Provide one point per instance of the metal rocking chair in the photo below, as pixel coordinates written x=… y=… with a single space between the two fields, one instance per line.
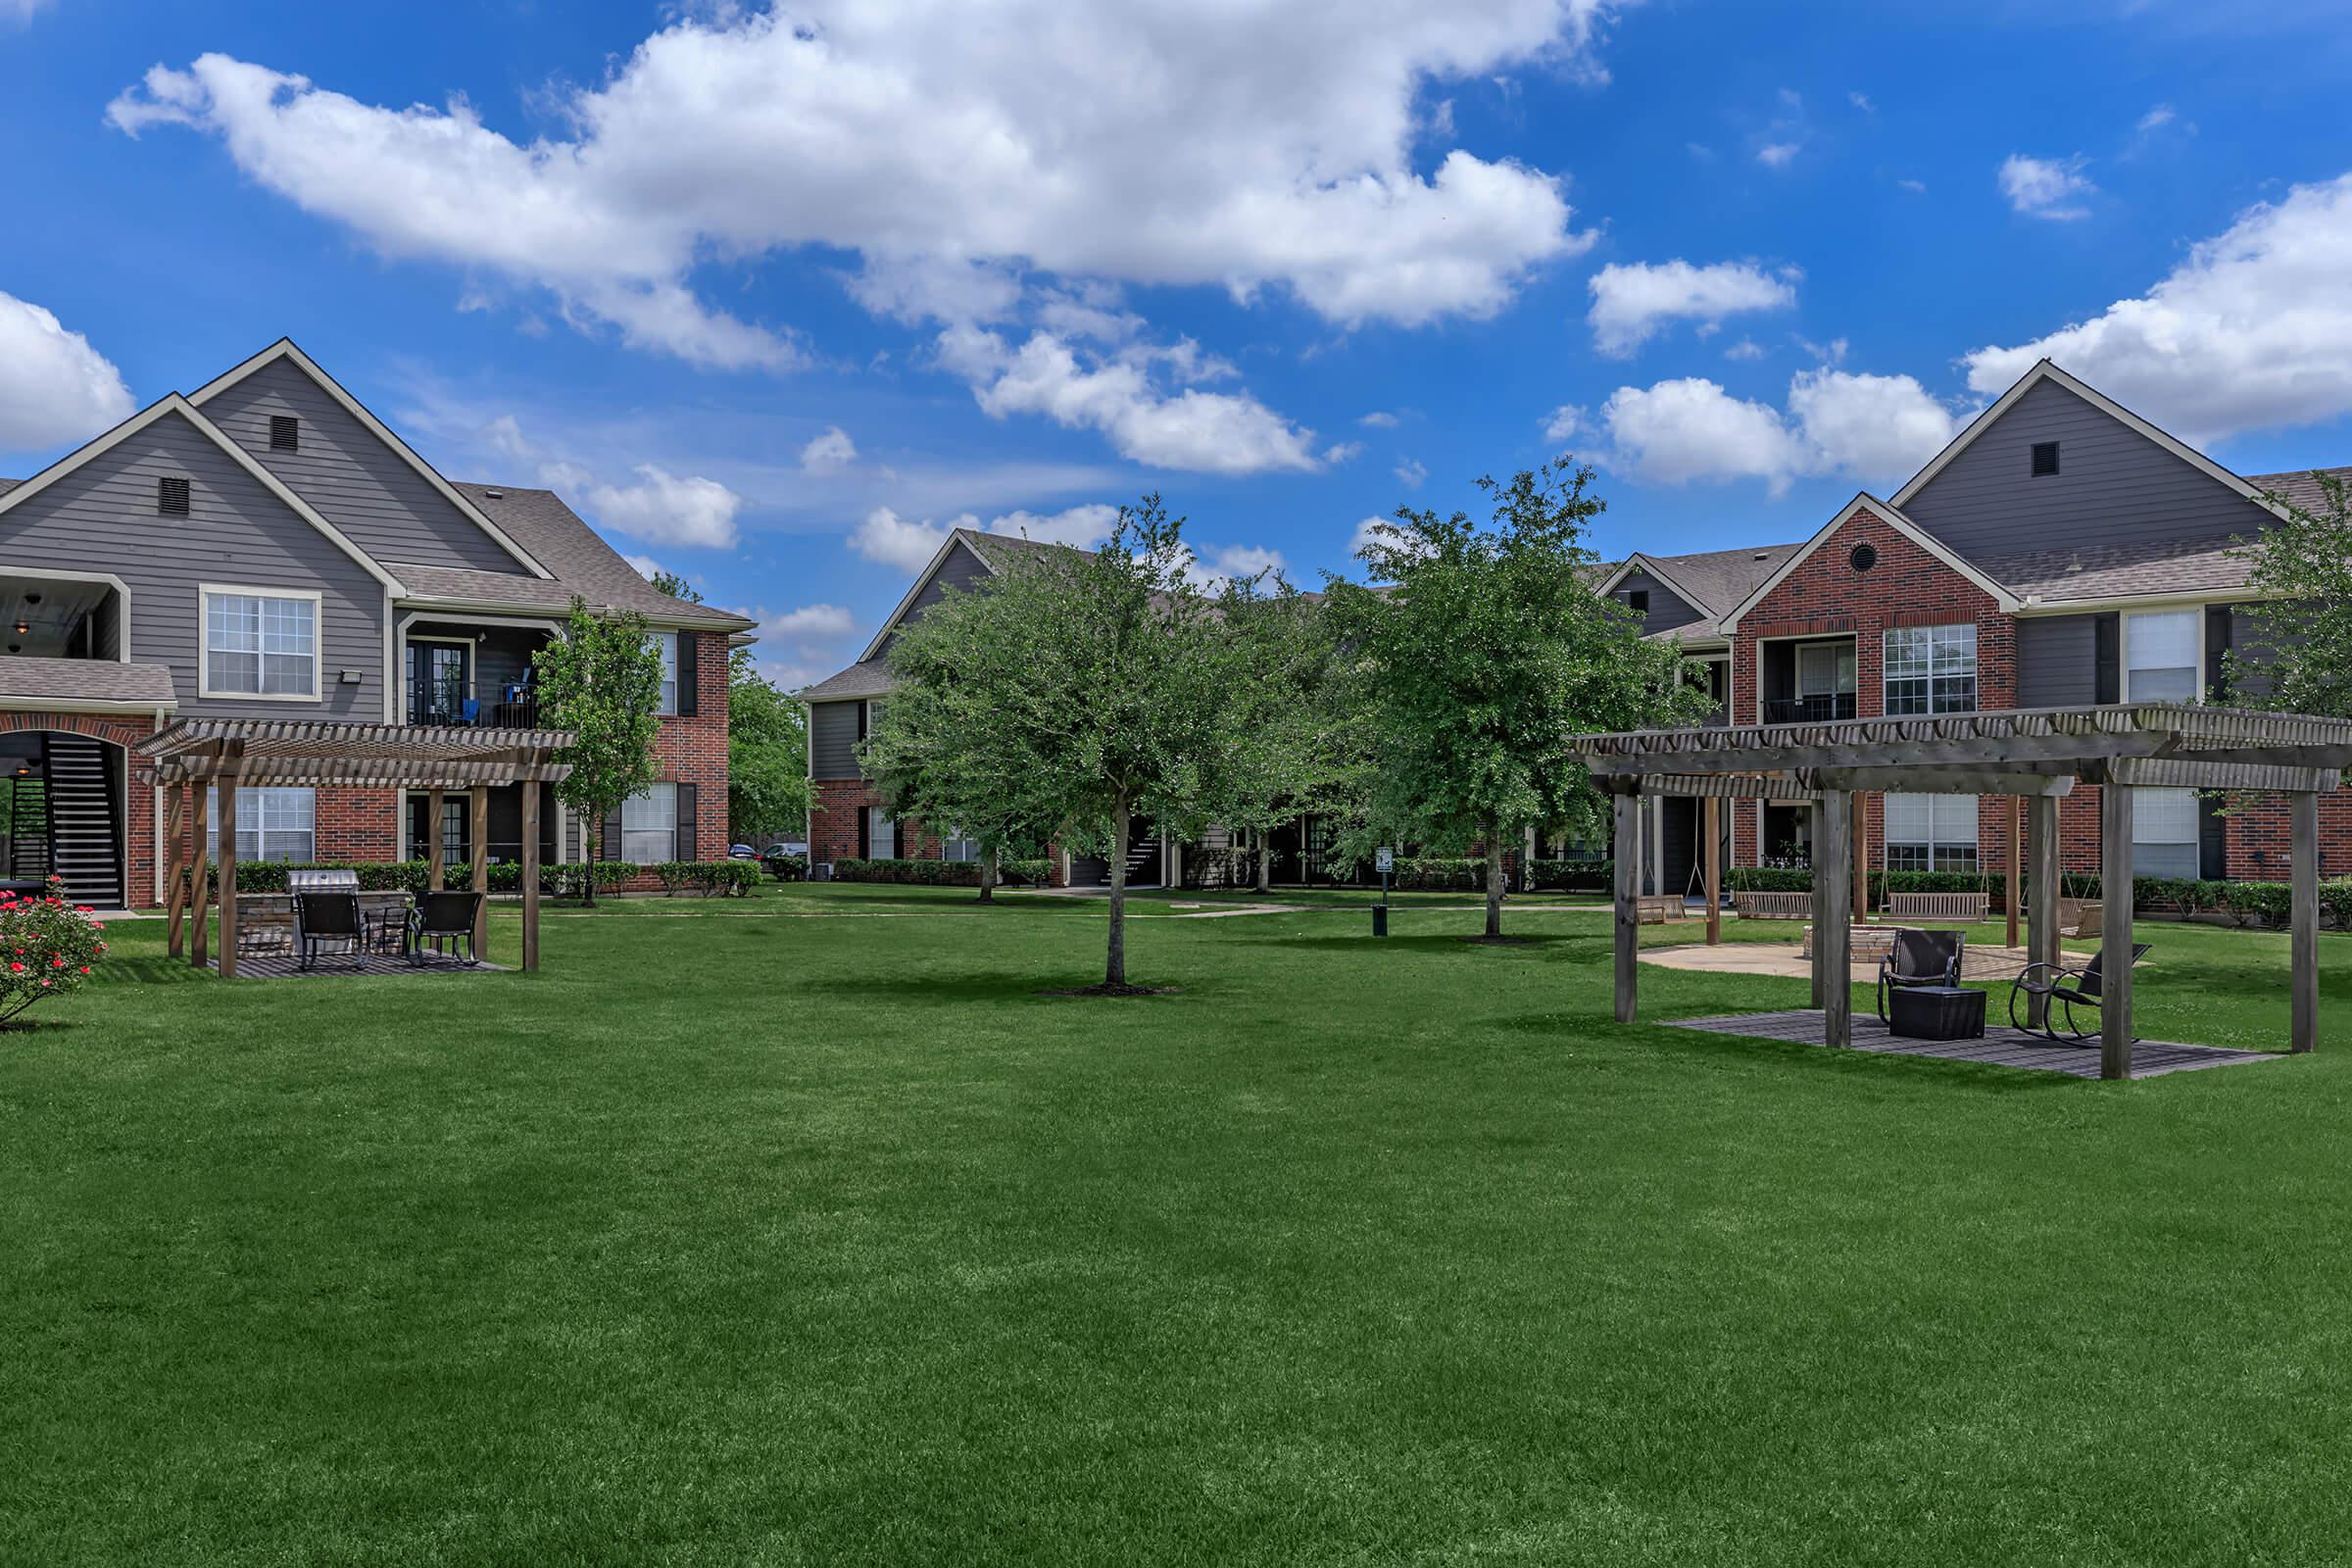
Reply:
x=2062 y=991
x=443 y=917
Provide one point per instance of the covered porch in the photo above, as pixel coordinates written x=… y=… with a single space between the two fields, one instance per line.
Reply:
x=2039 y=756
x=196 y=758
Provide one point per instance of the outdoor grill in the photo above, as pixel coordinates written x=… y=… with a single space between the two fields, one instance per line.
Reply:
x=323 y=881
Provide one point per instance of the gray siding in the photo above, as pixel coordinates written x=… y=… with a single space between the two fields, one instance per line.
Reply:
x=2113 y=486
x=833 y=741
x=1667 y=609
x=102 y=517
x=2057 y=660
x=357 y=483
x=962 y=570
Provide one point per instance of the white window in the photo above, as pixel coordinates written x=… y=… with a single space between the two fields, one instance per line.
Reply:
x=881 y=835
x=666 y=643
x=2163 y=652
x=1930 y=832
x=1932 y=669
x=272 y=825
x=2163 y=833
x=260 y=644
x=649 y=826
x=956 y=846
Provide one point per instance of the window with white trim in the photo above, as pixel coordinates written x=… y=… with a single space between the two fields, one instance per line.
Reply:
x=956 y=846
x=2165 y=833
x=881 y=834
x=1930 y=832
x=2161 y=652
x=272 y=825
x=666 y=643
x=259 y=645
x=649 y=826
x=1932 y=669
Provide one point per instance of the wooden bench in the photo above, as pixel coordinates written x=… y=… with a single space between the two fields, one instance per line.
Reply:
x=1940 y=906
x=1775 y=906
x=1656 y=909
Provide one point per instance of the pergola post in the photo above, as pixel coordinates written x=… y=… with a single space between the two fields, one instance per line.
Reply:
x=1829 y=897
x=2304 y=943
x=2041 y=900
x=175 y=894
x=2015 y=806
x=228 y=876
x=1860 y=855
x=1712 y=826
x=530 y=874
x=200 y=869
x=478 y=841
x=436 y=846
x=2115 y=953
x=1629 y=889
x=1831 y=938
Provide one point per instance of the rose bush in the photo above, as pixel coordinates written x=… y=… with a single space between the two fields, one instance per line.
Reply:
x=48 y=948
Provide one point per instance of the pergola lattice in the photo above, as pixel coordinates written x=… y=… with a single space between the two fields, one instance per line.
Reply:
x=2037 y=753
x=195 y=754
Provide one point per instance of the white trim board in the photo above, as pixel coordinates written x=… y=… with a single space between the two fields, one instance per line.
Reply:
x=1893 y=518
x=205 y=591
x=285 y=347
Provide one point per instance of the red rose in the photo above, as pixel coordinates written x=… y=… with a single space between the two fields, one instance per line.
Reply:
x=16 y=968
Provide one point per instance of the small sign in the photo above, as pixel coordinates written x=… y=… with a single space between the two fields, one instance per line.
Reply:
x=1384 y=860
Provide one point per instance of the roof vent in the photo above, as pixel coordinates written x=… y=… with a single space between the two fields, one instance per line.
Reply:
x=2044 y=459
x=494 y=494
x=285 y=434
x=1763 y=555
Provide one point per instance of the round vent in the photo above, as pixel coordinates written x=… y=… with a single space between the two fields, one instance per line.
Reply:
x=1863 y=557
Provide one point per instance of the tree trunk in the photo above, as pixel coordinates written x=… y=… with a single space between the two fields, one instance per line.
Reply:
x=988 y=876
x=1114 y=968
x=1494 y=877
x=1265 y=862
x=589 y=836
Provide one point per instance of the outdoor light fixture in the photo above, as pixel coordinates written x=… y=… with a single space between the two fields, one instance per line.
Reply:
x=22 y=628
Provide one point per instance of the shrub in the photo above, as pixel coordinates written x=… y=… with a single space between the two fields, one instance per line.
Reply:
x=787 y=867
x=1220 y=868
x=1768 y=879
x=1423 y=875
x=925 y=874
x=1582 y=875
x=48 y=948
x=568 y=879
x=709 y=878
x=1025 y=873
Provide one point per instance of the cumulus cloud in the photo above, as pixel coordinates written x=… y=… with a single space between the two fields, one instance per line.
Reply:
x=1411 y=472
x=1378 y=420
x=664 y=508
x=2045 y=187
x=644 y=567
x=1777 y=154
x=799 y=647
x=1564 y=424
x=829 y=453
x=2252 y=330
x=54 y=388
x=893 y=541
x=1340 y=452
x=1633 y=303
x=1230 y=562
x=949 y=144
x=1874 y=428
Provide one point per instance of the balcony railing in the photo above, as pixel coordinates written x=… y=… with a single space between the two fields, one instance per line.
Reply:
x=1822 y=708
x=471 y=703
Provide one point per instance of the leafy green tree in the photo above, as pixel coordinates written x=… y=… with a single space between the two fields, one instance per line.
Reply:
x=603 y=681
x=1295 y=744
x=670 y=582
x=1487 y=655
x=767 y=753
x=2300 y=656
x=1077 y=690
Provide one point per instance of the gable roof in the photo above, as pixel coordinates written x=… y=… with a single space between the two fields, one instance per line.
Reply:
x=1892 y=516
x=172 y=402
x=286 y=349
x=995 y=551
x=1710 y=581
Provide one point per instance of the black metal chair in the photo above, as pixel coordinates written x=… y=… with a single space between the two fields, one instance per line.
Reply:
x=1920 y=959
x=327 y=917
x=2062 y=991
x=443 y=917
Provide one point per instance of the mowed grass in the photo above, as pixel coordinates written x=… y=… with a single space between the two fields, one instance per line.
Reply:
x=741 y=1237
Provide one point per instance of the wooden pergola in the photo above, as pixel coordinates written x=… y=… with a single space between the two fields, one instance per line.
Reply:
x=2037 y=753
x=195 y=754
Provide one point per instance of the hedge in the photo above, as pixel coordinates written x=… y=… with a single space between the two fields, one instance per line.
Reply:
x=1583 y=876
x=411 y=877
x=1438 y=875
x=709 y=878
x=787 y=867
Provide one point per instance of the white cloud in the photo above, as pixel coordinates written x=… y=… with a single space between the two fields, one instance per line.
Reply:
x=1876 y=428
x=797 y=647
x=1340 y=452
x=2155 y=118
x=1565 y=423
x=1378 y=420
x=2252 y=330
x=1080 y=527
x=895 y=541
x=947 y=144
x=20 y=10
x=1917 y=187
x=829 y=453
x=664 y=508
x=1862 y=102
x=54 y=388
x=644 y=567
x=1633 y=303
x=1748 y=348
x=1411 y=472
x=810 y=620
x=1230 y=563
x=2043 y=188
x=1777 y=154
x=1367 y=533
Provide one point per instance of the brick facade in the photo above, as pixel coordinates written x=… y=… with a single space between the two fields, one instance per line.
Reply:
x=694 y=751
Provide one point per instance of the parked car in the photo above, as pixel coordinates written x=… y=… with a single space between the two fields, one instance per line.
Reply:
x=742 y=851
x=783 y=847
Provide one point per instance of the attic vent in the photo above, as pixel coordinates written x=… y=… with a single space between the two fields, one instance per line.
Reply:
x=2045 y=459
x=1762 y=555
x=494 y=494
x=1864 y=556
x=171 y=497
x=1638 y=601
x=285 y=434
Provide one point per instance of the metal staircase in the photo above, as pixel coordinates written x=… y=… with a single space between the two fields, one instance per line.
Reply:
x=1143 y=863
x=86 y=839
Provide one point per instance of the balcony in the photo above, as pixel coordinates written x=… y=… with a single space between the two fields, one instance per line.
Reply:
x=1821 y=708
x=465 y=703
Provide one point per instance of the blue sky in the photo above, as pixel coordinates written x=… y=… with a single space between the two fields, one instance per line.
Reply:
x=774 y=300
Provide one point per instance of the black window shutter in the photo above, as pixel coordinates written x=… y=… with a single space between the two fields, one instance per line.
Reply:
x=690 y=673
x=2217 y=651
x=2107 y=659
x=684 y=848
x=866 y=828
x=612 y=836
x=2213 y=839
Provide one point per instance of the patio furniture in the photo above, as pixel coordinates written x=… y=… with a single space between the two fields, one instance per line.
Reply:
x=323 y=918
x=1920 y=958
x=1940 y=906
x=383 y=922
x=1656 y=909
x=440 y=920
x=1937 y=1013
x=2062 y=991
x=1774 y=905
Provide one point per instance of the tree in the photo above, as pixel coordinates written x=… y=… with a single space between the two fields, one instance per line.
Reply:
x=1294 y=741
x=670 y=582
x=767 y=753
x=1072 y=689
x=601 y=680
x=1487 y=656
x=2301 y=656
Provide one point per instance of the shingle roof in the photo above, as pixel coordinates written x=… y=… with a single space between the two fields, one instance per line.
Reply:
x=868 y=679
x=2119 y=571
x=86 y=680
x=2299 y=487
x=1716 y=580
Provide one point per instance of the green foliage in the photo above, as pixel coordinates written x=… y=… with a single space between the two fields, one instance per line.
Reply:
x=709 y=878
x=1427 y=874
x=676 y=587
x=1296 y=742
x=768 y=755
x=2300 y=656
x=48 y=948
x=787 y=867
x=1584 y=875
x=601 y=680
x=937 y=873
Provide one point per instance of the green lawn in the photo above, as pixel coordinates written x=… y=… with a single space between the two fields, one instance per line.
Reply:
x=735 y=1237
